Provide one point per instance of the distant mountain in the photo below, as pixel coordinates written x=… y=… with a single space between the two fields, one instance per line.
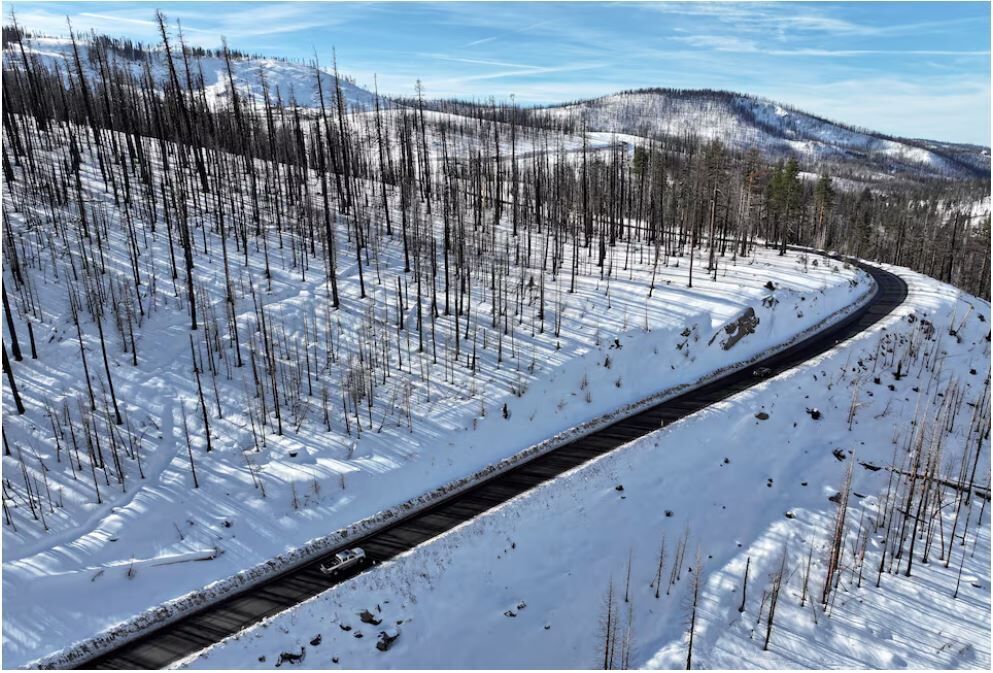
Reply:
x=286 y=78
x=739 y=120
x=743 y=122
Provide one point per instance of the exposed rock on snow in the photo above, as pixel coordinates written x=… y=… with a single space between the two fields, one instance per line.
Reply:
x=387 y=638
x=291 y=657
x=367 y=617
x=739 y=328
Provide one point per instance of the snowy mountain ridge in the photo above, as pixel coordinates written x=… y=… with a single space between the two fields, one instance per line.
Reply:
x=286 y=80
x=743 y=121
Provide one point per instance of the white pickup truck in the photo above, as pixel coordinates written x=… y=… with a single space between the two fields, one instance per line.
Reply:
x=344 y=560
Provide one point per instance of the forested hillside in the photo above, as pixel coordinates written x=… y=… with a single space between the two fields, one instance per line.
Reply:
x=248 y=303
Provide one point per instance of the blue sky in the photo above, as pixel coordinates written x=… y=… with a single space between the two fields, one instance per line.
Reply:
x=916 y=69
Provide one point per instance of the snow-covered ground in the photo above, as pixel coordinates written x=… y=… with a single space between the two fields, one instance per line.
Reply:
x=112 y=542
x=286 y=80
x=469 y=139
x=527 y=585
x=97 y=545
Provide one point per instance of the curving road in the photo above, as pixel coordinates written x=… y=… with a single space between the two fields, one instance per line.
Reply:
x=194 y=632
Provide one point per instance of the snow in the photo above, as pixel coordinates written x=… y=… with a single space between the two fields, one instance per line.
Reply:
x=256 y=503
x=135 y=564
x=524 y=586
x=476 y=139
x=976 y=211
x=287 y=79
x=92 y=566
x=744 y=122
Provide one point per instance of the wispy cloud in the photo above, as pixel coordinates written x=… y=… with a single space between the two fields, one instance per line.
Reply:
x=738 y=45
x=784 y=18
x=520 y=72
x=729 y=43
x=240 y=23
x=124 y=19
x=479 y=61
x=518 y=31
x=477 y=42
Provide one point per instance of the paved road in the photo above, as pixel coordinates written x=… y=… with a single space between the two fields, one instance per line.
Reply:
x=190 y=634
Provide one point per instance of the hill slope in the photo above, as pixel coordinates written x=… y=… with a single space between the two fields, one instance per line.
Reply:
x=287 y=79
x=743 y=121
x=135 y=531
x=728 y=492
